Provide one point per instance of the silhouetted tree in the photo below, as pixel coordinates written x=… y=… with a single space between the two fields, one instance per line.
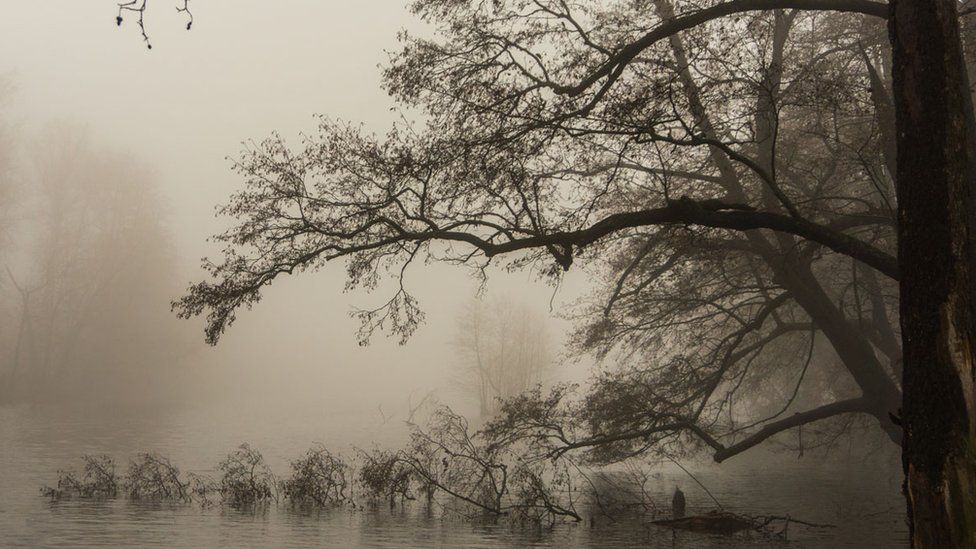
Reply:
x=735 y=160
x=661 y=179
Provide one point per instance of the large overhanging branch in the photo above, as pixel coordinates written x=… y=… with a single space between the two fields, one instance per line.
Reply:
x=613 y=67
x=704 y=213
x=801 y=418
x=241 y=278
x=723 y=452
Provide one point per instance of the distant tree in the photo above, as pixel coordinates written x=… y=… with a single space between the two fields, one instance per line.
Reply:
x=8 y=161
x=11 y=326
x=502 y=350
x=89 y=281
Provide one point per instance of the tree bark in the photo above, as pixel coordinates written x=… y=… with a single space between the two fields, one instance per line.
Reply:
x=935 y=181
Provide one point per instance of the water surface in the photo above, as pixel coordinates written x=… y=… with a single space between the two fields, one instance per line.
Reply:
x=862 y=499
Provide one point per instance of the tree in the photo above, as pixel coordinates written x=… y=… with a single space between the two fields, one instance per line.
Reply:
x=93 y=264
x=518 y=164
x=936 y=209
x=503 y=351
x=9 y=183
x=8 y=167
x=730 y=160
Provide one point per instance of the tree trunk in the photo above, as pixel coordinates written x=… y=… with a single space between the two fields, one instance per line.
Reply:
x=936 y=229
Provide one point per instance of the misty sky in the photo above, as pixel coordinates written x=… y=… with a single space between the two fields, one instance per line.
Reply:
x=245 y=70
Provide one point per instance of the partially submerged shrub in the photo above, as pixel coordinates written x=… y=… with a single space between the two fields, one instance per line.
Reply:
x=474 y=473
x=447 y=457
x=542 y=492
x=203 y=489
x=153 y=477
x=245 y=478
x=482 y=476
x=385 y=475
x=319 y=478
x=97 y=481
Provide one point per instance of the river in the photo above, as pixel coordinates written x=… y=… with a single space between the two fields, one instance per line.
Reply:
x=861 y=499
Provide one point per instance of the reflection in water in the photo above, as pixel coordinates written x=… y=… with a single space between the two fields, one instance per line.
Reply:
x=863 y=501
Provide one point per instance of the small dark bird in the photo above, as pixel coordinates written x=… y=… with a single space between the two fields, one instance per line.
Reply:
x=678 y=504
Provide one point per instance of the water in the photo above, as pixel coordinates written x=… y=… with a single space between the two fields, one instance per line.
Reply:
x=863 y=501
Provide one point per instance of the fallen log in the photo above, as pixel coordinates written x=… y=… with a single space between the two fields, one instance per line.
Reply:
x=716 y=522
x=726 y=523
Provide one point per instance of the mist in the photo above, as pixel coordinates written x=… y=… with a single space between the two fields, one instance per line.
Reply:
x=178 y=116
x=488 y=274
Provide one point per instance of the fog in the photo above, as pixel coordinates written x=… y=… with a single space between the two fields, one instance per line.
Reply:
x=179 y=111
x=598 y=300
